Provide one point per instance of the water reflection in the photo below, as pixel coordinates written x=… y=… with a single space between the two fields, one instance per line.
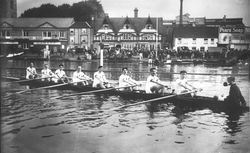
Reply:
x=83 y=121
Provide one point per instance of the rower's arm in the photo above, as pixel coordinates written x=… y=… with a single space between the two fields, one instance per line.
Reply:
x=182 y=85
x=194 y=88
x=159 y=83
x=129 y=82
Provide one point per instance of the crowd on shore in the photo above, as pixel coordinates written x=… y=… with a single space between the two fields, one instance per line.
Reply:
x=161 y=55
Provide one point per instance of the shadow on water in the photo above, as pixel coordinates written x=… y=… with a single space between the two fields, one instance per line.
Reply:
x=232 y=124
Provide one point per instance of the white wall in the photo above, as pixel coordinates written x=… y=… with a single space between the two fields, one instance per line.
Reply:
x=190 y=43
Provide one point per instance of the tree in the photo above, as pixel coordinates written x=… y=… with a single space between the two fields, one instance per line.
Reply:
x=81 y=11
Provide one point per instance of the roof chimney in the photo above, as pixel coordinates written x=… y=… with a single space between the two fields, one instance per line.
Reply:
x=181 y=16
x=135 y=13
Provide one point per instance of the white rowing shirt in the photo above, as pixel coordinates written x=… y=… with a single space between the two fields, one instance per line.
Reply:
x=60 y=73
x=99 y=77
x=78 y=76
x=46 y=73
x=123 y=80
x=150 y=84
x=179 y=85
x=30 y=71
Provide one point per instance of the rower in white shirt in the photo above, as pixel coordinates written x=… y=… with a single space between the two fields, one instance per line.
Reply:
x=182 y=85
x=47 y=74
x=126 y=80
x=31 y=72
x=153 y=84
x=78 y=76
x=100 y=80
x=60 y=75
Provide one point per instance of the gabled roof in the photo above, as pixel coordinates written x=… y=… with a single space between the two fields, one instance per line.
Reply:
x=126 y=21
x=196 y=32
x=36 y=22
x=136 y=23
x=80 y=24
x=149 y=20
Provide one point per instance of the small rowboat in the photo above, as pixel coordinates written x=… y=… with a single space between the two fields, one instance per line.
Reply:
x=184 y=101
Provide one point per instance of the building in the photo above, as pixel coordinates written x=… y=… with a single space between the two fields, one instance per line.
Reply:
x=195 y=38
x=80 y=35
x=35 y=34
x=129 y=32
x=8 y=9
x=231 y=32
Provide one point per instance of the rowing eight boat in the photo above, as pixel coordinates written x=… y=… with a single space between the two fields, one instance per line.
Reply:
x=182 y=101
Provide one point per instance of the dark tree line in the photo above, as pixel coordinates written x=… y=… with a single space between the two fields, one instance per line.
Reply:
x=81 y=11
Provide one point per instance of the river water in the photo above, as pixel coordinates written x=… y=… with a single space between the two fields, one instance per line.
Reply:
x=33 y=123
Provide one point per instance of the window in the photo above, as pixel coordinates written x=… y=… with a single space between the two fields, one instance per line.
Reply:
x=202 y=49
x=106 y=37
x=25 y=46
x=126 y=26
x=46 y=34
x=148 y=26
x=179 y=41
x=84 y=31
x=84 y=39
x=25 y=33
x=212 y=41
x=205 y=41
x=61 y=34
x=148 y=37
x=71 y=31
x=126 y=36
x=194 y=41
x=72 y=39
x=105 y=26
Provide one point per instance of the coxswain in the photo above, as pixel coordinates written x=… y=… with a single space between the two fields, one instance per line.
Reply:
x=153 y=84
x=126 y=80
x=60 y=75
x=182 y=85
x=100 y=80
x=47 y=74
x=235 y=97
x=31 y=72
x=80 y=77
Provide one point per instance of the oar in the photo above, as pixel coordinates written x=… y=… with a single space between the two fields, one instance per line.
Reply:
x=90 y=92
x=46 y=87
x=160 y=84
x=10 y=78
x=27 y=80
x=151 y=100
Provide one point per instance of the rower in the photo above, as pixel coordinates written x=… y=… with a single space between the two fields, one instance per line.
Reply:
x=78 y=75
x=153 y=84
x=100 y=80
x=126 y=80
x=31 y=72
x=47 y=73
x=235 y=97
x=182 y=84
x=60 y=75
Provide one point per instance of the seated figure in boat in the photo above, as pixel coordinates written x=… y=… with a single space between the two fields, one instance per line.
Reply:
x=31 y=72
x=182 y=85
x=235 y=97
x=60 y=75
x=153 y=84
x=47 y=74
x=100 y=80
x=126 y=80
x=80 y=78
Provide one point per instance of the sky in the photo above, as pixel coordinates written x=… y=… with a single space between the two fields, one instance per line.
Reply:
x=168 y=9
